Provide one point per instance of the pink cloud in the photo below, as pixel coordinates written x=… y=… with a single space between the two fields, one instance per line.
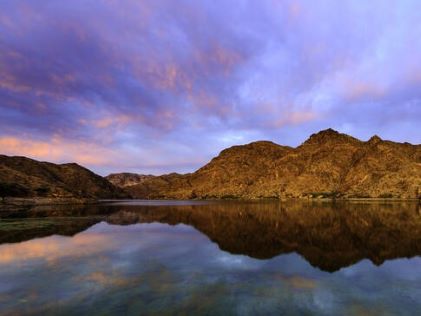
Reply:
x=57 y=149
x=356 y=90
x=294 y=118
x=118 y=121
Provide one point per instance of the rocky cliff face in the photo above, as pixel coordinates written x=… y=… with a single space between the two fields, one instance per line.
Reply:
x=126 y=179
x=24 y=177
x=328 y=164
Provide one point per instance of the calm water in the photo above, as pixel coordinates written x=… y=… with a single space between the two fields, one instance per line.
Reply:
x=169 y=258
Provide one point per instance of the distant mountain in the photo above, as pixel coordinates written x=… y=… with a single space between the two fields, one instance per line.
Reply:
x=126 y=179
x=328 y=164
x=24 y=177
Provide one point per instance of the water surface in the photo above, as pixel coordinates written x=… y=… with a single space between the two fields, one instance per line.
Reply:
x=212 y=258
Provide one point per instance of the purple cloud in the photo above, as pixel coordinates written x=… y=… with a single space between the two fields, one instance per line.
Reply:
x=159 y=86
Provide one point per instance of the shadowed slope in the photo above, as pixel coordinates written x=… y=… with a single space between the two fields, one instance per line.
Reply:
x=24 y=177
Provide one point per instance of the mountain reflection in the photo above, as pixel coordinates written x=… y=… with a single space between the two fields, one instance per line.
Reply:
x=328 y=235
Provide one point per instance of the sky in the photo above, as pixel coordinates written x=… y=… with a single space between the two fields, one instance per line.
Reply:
x=164 y=85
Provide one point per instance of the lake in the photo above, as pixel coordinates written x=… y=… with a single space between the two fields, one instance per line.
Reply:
x=212 y=258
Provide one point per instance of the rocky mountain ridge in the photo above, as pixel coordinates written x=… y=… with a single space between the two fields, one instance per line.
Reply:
x=327 y=165
x=126 y=179
x=27 y=178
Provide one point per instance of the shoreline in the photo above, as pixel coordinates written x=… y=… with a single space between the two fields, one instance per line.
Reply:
x=37 y=201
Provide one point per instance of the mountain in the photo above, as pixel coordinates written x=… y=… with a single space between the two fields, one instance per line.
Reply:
x=126 y=179
x=328 y=164
x=24 y=177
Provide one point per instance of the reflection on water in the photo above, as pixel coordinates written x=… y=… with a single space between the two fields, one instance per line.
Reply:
x=218 y=258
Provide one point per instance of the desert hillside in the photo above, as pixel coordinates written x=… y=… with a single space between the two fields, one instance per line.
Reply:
x=24 y=177
x=126 y=179
x=328 y=164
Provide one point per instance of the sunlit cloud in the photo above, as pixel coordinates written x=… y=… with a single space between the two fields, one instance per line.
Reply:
x=153 y=78
x=57 y=149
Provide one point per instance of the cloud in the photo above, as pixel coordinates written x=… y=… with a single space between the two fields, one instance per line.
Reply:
x=149 y=74
x=104 y=157
x=58 y=149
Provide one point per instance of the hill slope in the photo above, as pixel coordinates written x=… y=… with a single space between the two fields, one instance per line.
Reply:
x=328 y=164
x=126 y=179
x=24 y=177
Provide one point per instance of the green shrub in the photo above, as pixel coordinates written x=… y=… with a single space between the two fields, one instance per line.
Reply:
x=324 y=195
x=360 y=196
x=229 y=197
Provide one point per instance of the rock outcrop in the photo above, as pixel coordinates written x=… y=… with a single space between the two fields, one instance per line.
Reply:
x=327 y=165
x=126 y=179
x=28 y=178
